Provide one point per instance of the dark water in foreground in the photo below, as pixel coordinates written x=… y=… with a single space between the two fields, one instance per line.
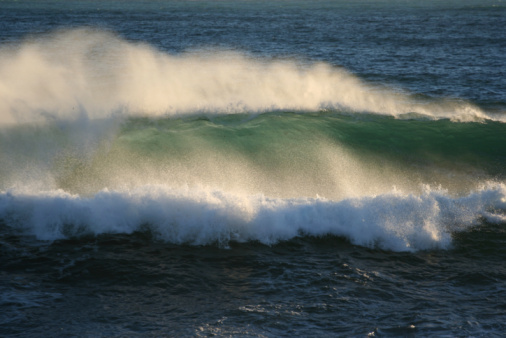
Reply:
x=251 y=168
x=127 y=285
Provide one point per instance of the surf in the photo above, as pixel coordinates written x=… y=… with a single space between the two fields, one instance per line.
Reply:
x=103 y=135
x=392 y=221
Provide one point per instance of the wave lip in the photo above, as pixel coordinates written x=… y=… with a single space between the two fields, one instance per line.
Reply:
x=392 y=221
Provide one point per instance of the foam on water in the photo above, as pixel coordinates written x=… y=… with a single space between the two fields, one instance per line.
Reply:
x=393 y=221
x=67 y=74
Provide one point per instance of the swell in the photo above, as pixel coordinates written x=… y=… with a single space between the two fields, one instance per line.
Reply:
x=268 y=178
x=101 y=135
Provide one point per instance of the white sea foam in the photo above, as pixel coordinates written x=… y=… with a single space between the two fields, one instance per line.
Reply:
x=393 y=221
x=71 y=74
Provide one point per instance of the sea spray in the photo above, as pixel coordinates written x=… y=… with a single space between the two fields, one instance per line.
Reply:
x=284 y=155
x=153 y=183
x=60 y=75
x=393 y=221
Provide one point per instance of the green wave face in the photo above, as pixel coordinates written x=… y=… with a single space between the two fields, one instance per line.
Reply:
x=284 y=154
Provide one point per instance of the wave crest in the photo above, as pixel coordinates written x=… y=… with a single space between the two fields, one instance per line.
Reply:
x=84 y=72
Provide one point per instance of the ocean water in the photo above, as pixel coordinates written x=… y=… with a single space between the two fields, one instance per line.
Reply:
x=252 y=168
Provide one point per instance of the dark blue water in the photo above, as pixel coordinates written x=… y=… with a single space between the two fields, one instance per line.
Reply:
x=185 y=168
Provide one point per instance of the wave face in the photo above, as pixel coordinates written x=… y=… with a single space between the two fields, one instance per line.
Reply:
x=101 y=135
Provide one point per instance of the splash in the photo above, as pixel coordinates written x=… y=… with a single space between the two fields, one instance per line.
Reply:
x=394 y=221
x=87 y=73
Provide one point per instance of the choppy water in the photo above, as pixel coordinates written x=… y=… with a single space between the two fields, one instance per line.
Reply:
x=252 y=168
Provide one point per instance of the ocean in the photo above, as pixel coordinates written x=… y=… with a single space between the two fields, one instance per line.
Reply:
x=253 y=168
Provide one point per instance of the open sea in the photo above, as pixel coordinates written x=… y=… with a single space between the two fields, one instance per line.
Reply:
x=253 y=168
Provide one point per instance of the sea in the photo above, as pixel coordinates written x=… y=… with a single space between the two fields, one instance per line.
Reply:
x=253 y=168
